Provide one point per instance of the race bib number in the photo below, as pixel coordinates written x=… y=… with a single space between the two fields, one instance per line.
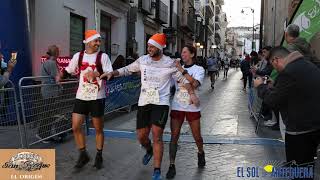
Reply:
x=89 y=91
x=151 y=96
x=183 y=97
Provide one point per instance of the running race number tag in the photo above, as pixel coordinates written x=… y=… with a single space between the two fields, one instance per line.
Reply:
x=151 y=96
x=183 y=97
x=89 y=91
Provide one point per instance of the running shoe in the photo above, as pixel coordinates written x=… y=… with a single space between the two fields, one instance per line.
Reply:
x=201 y=160
x=156 y=175
x=98 y=161
x=147 y=157
x=83 y=160
x=171 y=172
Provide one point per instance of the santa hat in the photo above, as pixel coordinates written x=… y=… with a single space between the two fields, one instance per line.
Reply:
x=91 y=35
x=158 y=40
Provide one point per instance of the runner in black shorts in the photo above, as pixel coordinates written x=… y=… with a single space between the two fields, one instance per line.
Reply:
x=157 y=71
x=91 y=95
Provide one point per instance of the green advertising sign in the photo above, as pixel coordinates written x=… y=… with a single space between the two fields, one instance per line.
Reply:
x=307 y=18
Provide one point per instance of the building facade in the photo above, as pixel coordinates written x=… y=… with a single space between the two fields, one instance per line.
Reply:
x=275 y=15
x=64 y=22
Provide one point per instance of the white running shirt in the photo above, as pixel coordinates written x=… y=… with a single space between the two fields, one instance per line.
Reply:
x=89 y=64
x=181 y=98
x=155 y=78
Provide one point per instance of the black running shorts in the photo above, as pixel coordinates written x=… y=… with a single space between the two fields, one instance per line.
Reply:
x=152 y=115
x=95 y=108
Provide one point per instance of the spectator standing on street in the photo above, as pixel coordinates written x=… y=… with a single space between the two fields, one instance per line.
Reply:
x=49 y=92
x=254 y=58
x=212 y=69
x=247 y=75
x=226 y=66
x=295 y=93
x=157 y=71
x=6 y=70
x=90 y=98
x=181 y=109
x=296 y=43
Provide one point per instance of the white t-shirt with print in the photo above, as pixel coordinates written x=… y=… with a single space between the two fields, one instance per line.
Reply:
x=155 y=78
x=89 y=64
x=182 y=98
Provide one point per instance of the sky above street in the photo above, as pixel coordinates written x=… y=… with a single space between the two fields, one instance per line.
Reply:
x=236 y=18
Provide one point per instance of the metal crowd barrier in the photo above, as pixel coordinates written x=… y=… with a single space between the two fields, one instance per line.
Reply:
x=46 y=107
x=11 y=133
x=255 y=105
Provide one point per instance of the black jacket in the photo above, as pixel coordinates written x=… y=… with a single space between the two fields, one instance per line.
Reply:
x=245 y=67
x=296 y=93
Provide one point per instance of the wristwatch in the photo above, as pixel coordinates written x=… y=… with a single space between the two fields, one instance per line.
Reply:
x=184 y=72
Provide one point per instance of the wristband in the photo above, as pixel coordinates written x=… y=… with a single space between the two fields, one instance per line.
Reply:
x=184 y=72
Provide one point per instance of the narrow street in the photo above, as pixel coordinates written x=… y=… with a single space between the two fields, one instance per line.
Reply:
x=224 y=117
x=225 y=112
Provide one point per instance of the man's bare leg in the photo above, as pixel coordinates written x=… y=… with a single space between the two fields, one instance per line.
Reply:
x=157 y=133
x=143 y=137
x=98 y=125
x=77 y=121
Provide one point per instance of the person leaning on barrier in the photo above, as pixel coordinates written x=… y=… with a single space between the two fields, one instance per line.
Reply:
x=50 y=92
x=296 y=43
x=50 y=69
x=296 y=94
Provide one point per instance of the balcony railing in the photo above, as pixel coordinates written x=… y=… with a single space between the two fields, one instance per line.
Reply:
x=161 y=12
x=187 y=18
x=174 y=21
x=145 y=6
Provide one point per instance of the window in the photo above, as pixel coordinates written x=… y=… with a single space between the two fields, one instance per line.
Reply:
x=105 y=31
x=77 y=28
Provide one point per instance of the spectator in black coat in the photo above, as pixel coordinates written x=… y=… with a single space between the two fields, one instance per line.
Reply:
x=296 y=94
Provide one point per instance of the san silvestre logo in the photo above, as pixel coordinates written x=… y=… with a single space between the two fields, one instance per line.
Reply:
x=25 y=161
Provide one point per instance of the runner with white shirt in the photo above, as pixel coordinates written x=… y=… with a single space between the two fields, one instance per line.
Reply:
x=90 y=98
x=181 y=109
x=157 y=71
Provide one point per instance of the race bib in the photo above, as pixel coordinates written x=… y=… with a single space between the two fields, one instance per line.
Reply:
x=89 y=91
x=151 y=96
x=183 y=97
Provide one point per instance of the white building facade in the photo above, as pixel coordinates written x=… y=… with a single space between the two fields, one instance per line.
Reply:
x=63 y=23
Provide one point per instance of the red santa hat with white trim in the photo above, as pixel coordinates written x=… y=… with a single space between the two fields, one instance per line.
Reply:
x=158 y=40
x=91 y=35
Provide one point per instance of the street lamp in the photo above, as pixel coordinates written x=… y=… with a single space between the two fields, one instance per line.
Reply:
x=252 y=10
x=198 y=44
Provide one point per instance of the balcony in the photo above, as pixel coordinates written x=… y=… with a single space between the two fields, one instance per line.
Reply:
x=191 y=3
x=174 y=21
x=240 y=43
x=218 y=9
x=145 y=6
x=210 y=10
x=220 y=2
x=217 y=26
x=217 y=18
x=161 y=12
x=187 y=18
